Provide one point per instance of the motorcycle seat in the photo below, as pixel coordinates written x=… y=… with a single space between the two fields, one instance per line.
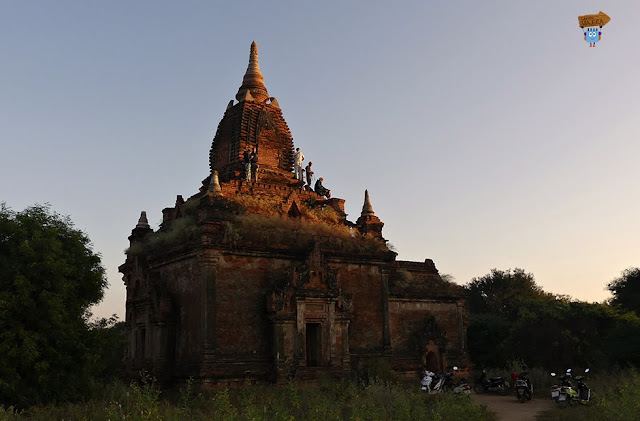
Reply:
x=497 y=379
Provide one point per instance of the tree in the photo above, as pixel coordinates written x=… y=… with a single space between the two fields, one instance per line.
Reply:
x=49 y=277
x=513 y=318
x=503 y=292
x=626 y=290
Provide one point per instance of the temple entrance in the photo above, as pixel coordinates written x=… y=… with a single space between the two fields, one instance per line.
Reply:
x=314 y=345
x=431 y=362
x=142 y=339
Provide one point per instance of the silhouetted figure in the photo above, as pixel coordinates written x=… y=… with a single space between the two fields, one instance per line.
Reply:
x=254 y=164
x=309 y=173
x=246 y=158
x=321 y=190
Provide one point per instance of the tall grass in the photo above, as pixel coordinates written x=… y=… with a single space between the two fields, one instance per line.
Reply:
x=274 y=231
x=327 y=400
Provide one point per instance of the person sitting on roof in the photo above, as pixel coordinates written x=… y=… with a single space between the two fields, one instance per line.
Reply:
x=321 y=190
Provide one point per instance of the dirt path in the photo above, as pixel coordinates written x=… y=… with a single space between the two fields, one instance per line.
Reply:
x=508 y=408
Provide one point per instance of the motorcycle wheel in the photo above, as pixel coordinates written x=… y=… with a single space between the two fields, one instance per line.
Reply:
x=522 y=398
x=478 y=388
x=503 y=389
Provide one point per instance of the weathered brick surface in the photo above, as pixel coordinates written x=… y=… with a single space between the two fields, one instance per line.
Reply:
x=247 y=125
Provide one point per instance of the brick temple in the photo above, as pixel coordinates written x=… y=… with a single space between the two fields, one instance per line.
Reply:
x=267 y=280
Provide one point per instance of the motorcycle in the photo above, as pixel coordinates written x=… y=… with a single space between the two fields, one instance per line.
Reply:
x=434 y=383
x=524 y=387
x=430 y=378
x=494 y=384
x=565 y=393
x=461 y=386
x=584 y=393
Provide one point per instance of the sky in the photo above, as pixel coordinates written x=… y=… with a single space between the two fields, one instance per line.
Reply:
x=489 y=134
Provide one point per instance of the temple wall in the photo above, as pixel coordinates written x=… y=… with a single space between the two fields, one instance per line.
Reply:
x=243 y=330
x=365 y=283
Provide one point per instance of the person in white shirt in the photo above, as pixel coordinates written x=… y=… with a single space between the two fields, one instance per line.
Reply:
x=298 y=157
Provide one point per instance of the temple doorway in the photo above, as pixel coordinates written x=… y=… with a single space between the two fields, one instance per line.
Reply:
x=431 y=362
x=314 y=344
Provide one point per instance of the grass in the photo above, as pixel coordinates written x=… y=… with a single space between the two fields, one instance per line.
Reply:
x=181 y=231
x=270 y=227
x=327 y=400
x=276 y=231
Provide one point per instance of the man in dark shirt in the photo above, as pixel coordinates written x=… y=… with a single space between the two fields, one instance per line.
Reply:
x=309 y=173
x=254 y=164
x=246 y=158
x=321 y=190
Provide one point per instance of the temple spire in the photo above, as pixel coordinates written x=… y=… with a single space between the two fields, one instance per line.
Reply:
x=369 y=223
x=143 y=222
x=367 y=209
x=253 y=82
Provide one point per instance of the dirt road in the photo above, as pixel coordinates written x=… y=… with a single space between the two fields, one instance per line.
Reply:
x=508 y=408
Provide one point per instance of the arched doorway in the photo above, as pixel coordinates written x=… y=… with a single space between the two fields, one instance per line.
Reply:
x=431 y=362
x=432 y=358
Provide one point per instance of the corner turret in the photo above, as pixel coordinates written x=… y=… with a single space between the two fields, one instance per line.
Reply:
x=141 y=230
x=369 y=223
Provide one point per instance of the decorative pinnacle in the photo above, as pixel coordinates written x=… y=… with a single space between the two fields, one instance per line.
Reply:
x=253 y=80
x=214 y=185
x=143 y=222
x=367 y=209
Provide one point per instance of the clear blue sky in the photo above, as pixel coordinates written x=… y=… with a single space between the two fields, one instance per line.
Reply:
x=489 y=134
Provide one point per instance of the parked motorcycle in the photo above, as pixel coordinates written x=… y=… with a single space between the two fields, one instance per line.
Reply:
x=584 y=393
x=434 y=383
x=565 y=393
x=430 y=382
x=494 y=384
x=460 y=386
x=523 y=386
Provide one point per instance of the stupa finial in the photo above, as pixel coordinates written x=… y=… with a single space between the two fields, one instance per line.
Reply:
x=367 y=209
x=143 y=222
x=253 y=81
x=214 y=185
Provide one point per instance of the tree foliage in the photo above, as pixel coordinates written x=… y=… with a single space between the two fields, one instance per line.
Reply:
x=513 y=318
x=626 y=290
x=503 y=292
x=49 y=277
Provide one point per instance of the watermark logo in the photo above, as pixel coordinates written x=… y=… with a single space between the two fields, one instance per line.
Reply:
x=593 y=24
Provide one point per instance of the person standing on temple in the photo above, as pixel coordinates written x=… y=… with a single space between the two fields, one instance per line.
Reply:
x=254 y=164
x=246 y=157
x=309 y=173
x=298 y=157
